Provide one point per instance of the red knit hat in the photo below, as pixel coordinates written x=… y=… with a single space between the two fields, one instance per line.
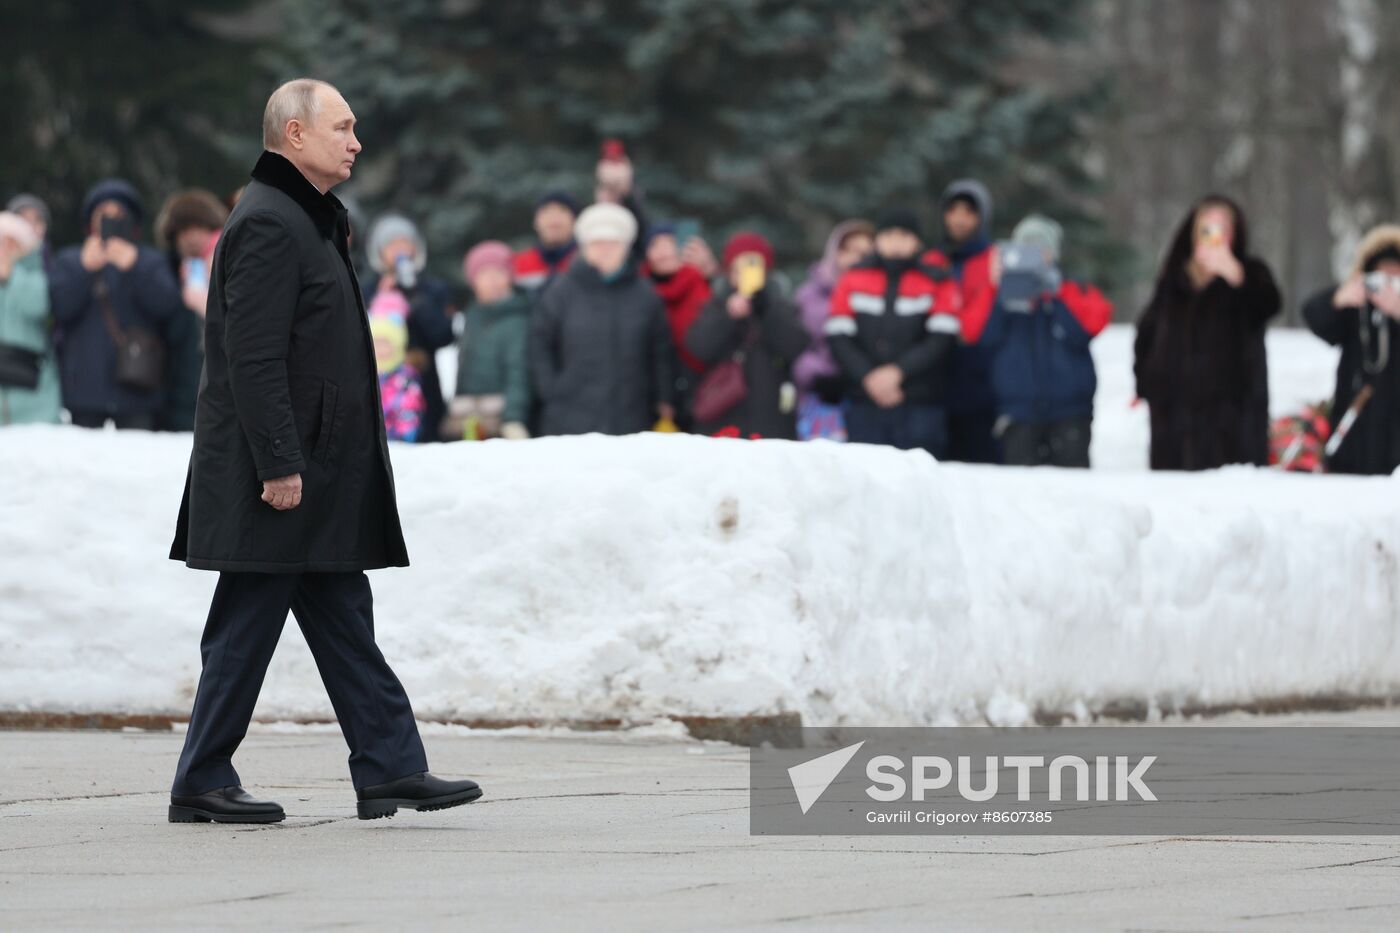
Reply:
x=748 y=242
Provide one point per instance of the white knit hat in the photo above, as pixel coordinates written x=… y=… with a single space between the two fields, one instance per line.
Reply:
x=18 y=229
x=606 y=222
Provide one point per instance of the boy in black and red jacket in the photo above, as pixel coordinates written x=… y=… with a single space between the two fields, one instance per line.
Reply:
x=893 y=326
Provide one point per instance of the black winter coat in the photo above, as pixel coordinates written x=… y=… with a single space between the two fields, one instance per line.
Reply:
x=769 y=339
x=289 y=386
x=601 y=355
x=1372 y=445
x=1200 y=362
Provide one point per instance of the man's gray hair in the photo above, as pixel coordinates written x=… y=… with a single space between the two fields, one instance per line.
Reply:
x=295 y=100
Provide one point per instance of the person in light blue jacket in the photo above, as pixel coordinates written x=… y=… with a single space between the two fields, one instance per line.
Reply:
x=25 y=328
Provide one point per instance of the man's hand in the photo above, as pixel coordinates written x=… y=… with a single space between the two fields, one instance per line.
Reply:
x=739 y=306
x=94 y=255
x=1350 y=294
x=121 y=254
x=282 y=493
x=884 y=385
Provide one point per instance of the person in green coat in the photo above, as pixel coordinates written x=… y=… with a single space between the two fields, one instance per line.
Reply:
x=26 y=323
x=493 y=382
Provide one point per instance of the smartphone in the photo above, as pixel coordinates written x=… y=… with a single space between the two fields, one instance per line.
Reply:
x=752 y=274
x=120 y=227
x=196 y=273
x=687 y=229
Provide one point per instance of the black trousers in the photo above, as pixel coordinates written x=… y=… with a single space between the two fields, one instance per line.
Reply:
x=971 y=437
x=336 y=615
x=908 y=425
x=1048 y=443
x=131 y=421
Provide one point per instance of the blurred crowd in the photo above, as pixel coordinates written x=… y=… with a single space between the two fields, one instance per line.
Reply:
x=914 y=328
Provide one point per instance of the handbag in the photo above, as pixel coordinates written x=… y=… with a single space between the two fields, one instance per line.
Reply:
x=725 y=385
x=19 y=367
x=473 y=418
x=140 y=353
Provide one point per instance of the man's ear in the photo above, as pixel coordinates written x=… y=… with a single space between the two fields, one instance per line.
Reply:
x=294 y=133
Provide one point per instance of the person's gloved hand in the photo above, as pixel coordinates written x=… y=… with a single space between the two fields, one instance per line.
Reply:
x=514 y=431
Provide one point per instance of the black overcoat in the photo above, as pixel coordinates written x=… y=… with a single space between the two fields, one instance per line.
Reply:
x=289 y=386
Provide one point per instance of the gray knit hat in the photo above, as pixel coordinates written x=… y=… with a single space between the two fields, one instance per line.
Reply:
x=29 y=201
x=1041 y=231
x=392 y=227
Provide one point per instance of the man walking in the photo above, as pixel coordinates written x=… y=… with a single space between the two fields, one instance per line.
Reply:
x=290 y=493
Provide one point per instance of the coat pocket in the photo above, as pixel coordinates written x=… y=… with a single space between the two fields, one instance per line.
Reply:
x=330 y=395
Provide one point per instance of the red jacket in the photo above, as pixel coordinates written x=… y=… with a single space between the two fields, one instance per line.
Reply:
x=531 y=270
x=975 y=291
x=684 y=294
x=913 y=324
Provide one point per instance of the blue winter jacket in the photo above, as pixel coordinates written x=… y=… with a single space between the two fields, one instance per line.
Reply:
x=1042 y=370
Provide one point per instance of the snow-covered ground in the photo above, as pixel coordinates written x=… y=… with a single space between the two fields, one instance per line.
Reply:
x=586 y=578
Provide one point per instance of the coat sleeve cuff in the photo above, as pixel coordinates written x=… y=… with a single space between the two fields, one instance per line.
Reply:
x=283 y=469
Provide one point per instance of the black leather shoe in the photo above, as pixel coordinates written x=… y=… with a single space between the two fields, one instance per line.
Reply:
x=230 y=804
x=420 y=791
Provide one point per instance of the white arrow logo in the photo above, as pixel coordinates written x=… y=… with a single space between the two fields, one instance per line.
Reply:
x=811 y=778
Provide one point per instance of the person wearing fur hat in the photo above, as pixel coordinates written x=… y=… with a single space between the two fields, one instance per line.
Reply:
x=1038 y=337
x=1199 y=351
x=750 y=322
x=554 y=247
x=1362 y=316
x=600 y=345
x=820 y=386
x=398 y=259
x=187 y=229
x=893 y=324
x=493 y=378
x=28 y=377
x=112 y=290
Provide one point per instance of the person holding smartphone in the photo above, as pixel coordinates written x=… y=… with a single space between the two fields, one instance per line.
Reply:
x=187 y=228
x=1362 y=316
x=750 y=328
x=112 y=292
x=1199 y=351
x=1038 y=335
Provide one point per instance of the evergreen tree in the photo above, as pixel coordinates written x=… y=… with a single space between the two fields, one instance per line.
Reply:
x=163 y=92
x=779 y=116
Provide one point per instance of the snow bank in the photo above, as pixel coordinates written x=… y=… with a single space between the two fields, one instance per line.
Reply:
x=585 y=578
